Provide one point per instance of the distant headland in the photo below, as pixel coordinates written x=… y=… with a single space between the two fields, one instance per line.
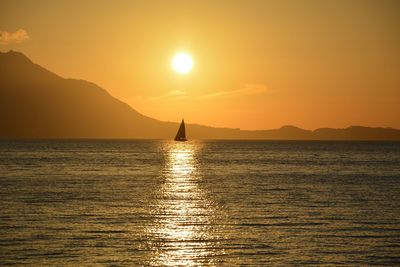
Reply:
x=36 y=103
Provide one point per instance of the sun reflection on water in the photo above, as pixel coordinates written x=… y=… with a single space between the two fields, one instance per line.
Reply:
x=184 y=210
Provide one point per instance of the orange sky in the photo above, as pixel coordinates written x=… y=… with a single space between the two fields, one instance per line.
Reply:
x=258 y=64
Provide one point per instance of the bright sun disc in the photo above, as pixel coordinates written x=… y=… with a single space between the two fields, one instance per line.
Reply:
x=182 y=63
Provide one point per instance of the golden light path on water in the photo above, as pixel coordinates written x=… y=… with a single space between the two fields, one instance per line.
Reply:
x=184 y=210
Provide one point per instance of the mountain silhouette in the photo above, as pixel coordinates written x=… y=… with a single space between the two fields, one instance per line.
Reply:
x=36 y=103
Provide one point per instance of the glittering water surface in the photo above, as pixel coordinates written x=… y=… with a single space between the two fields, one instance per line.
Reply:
x=163 y=203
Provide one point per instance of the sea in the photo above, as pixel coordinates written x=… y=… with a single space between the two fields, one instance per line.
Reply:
x=199 y=203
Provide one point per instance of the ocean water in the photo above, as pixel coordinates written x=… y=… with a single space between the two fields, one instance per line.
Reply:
x=212 y=203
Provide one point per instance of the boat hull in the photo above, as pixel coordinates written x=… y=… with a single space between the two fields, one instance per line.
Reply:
x=180 y=139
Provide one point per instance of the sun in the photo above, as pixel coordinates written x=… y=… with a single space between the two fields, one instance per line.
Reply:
x=182 y=63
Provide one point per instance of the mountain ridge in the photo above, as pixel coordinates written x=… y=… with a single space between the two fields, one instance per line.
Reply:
x=37 y=103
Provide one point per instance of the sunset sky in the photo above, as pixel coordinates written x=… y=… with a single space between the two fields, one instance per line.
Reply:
x=256 y=64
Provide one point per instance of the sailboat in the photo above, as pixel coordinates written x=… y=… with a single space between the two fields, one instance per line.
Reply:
x=181 y=134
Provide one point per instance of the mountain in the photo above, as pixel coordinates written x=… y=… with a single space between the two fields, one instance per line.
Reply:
x=36 y=103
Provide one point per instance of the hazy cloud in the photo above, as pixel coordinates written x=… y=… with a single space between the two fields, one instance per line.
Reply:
x=18 y=36
x=174 y=93
x=248 y=89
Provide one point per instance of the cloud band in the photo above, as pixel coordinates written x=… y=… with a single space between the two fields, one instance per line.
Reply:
x=18 y=36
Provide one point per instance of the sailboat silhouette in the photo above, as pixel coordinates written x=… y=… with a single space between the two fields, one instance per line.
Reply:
x=181 y=134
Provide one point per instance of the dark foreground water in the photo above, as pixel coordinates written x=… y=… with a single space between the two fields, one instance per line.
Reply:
x=134 y=203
